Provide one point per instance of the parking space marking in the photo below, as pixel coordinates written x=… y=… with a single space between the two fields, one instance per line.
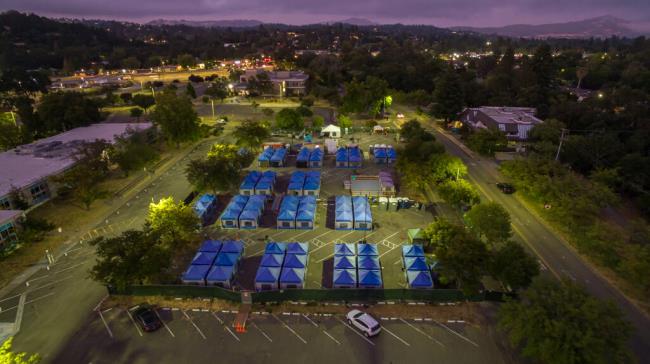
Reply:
x=293 y=238
x=193 y=324
x=331 y=337
x=164 y=324
x=290 y=329
x=217 y=317
x=421 y=332
x=397 y=337
x=356 y=332
x=456 y=333
x=261 y=332
x=132 y=320
x=389 y=250
x=110 y=333
x=310 y=320
x=232 y=333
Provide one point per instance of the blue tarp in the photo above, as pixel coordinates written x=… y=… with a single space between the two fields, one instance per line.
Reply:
x=415 y=263
x=250 y=180
x=344 y=262
x=312 y=181
x=380 y=153
x=298 y=248
x=275 y=248
x=204 y=204
x=221 y=273
x=203 y=258
x=296 y=181
x=267 y=275
x=344 y=249
x=355 y=155
x=266 y=154
x=232 y=246
x=211 y=246
x=288 y=208
x=370 y=278
x=316 y=155
x=278 y=155
x=345 y=277
x=412 y=250
x=303 y=155
x=272 y=260
x=265 y=183
x=361 y=209
x=295 y=261
x=234 y=208
x=419 y=279
x=249 y=215
x=196 y=273
x=368 y=262
x=391 y=153
x=287 y=215
x=368 y=249
x=292 y=276
x=256 y=203
x=342 y=155
x=306 y=209
x=227 y=259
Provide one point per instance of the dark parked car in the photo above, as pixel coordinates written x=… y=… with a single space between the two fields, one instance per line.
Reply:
x=146 y=317
x=506 y=188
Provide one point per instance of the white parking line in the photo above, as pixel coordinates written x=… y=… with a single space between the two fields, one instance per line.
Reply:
x=232 y=333
x=389 y=250
x=293 y=238
x=323 y=234
x=398 y=261
x=110 y=333
x=421 y=332
x=262 y=332
x=132 y=320
x=193 y=324
x=310 y=320
x=331 y=337
x=456 y=333
x=164 y=324
x=290 y=329
x=397 y=337
x=217 y=317
x=356 y=332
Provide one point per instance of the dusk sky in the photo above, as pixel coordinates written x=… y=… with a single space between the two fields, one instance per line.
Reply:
x=434 y=12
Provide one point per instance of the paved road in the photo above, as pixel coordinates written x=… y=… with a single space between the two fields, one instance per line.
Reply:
x=561 y=260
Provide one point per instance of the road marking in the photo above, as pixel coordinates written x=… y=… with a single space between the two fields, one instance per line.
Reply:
x=217 y=317
x=40 y=298
x=164 y=324
x=262 y=332
x=290 y=329
x=456 y=333
x=397 y=261
x=397 y=337
x=389 y=250
x=310 y=320
x=232 y=333
x=110 y=333
x=331 y=337
x=293 y=238
x=132 y=320
x=50 y=284
x=421 y=332
x=356 y=332
x=325 y=233
x=193 y=324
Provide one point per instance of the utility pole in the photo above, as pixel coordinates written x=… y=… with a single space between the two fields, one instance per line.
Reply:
x=559 y=147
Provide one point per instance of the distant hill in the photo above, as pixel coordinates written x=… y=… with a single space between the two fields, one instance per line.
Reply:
x=352 y=21
x=239 y=23
x=599 y=27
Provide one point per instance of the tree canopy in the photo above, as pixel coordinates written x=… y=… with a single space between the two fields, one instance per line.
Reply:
x=289 y=119
x=251 y=134
x=489 y=220
x=176 y=117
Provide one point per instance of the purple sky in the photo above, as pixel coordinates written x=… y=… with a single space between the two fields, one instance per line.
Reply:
x=435 y=12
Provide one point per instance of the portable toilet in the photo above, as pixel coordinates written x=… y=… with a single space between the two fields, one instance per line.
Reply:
x=267 y=278
x=344 y=278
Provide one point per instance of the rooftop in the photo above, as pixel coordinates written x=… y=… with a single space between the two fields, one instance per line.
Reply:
x=511 y=115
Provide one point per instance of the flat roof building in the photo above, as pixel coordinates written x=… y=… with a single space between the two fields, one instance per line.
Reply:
x=515 y=122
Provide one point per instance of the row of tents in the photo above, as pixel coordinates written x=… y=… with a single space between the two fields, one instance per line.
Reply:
x=205 y=208
x=354 y=269
x=243 y=212
x=297 y=212
x=310 y=158
x=304 y=183
x=352 y=213
x=418 y=272
x=349 y=157
x=215 y=263
x=272 y=157
x=283 y=266
x=258 y=183
x=383 y=154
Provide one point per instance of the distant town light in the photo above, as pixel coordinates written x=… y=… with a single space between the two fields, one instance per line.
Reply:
x=488 y=43
x=600 y=95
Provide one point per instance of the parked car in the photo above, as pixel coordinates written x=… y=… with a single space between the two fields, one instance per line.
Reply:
x=506 y=188
x=364 y=322
x=145 y=317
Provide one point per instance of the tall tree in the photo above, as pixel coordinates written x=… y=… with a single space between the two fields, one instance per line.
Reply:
x=60 y=111
x=491 y=221
x=464 y=259
x=144 y=101
x=251 y=134
x=289 y=119
x=561 y=323
x=448 y=96
x=9 y=357
x=513 y=266
x=176 y=223
x=133 y=152
x=190 y=91
x=176 y=117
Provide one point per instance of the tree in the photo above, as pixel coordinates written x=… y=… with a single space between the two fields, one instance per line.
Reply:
x=463 y=259
x=448 y=97
x=458 y=193
x=176 y=117
x=176 y=223
x=9 y=357
x=218 y=171
x=126 y=97
x=344 y=121
x=59 y=111
x=11 y=135
x=217 y=90
x=131 y=63
x=289 y=119
x=135 y=112
x=251 y=134
x=318 y=121
x=190 y=91
x=513 y=266
x=544 y=137
x=369 y=95
x=491 y=221
x=561 y=323
x=304 y=111
x=487 y=141
x=186 y=60
x=134 y=257
x=133 y=152
x=196 y=79
x=144 y=101
x=410 y=130
x=441 y=232
x=83 y=180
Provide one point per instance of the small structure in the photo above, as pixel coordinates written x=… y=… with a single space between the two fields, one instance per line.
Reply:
x=415 y=264
x=414 y=250
x=345 y=262
x=380 y=185
x=295 y=261
x=391 y=155
x=210 y=246
x=306 y=213
x=379 y=154
x=195 y=274
x=232 y=246
x=292 y=278
x=264 y=159
x=272 y=260
x=266 y=183
x=296 y=183
x=355 y=157
x=419 y=279
x=288 y=210
x=367 y=249
x=203 y=258
x=267 y=278
x=342 y=158
x=368 y=262
x=362 y=213
x=298 y=248
x=343 y=213
x=344 y=278
x=370 y=279
x=220 y=275
x=378 y=129
x=247 y=187
x=386 y=184
x=278 y=158
x=205 y=208
x=227 y=259
x=316 y=158
x=312 y=184
x=250 y=215
x=416 y=236
x=275 y=248
x=331 y=146
x=302 y=160
x=230 y=216
x=330 y=131
x=344 y=249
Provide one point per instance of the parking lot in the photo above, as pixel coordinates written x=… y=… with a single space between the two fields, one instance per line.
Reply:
x=111 y=336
